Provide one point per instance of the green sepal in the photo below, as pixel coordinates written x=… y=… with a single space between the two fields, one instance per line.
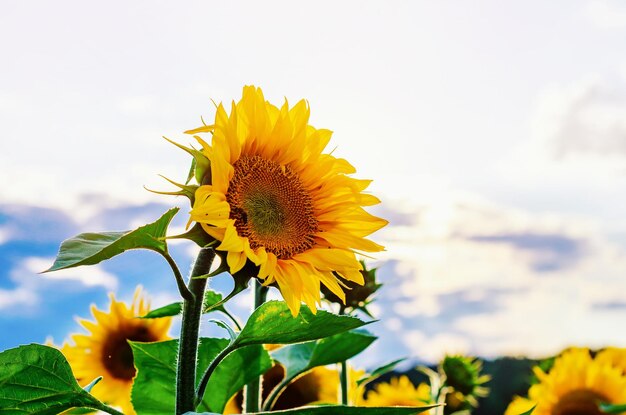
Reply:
x=92 y=248
x=198 y=235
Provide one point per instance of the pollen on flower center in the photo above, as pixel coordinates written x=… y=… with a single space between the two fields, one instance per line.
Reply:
x=271 y=207
x=579 y=402
x=117 y=355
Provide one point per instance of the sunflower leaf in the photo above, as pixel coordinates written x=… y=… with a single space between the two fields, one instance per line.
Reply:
x=301 y=357
x=92 y=248
x=340 y=410
x=153 y=393
x=379 y=371
x=272 y=322
x=38 y=380
x=211 y=298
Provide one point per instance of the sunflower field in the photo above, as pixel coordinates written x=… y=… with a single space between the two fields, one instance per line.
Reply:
x=277 y=213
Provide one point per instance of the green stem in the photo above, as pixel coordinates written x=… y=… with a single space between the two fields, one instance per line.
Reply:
x=209 y=371
x=180 y=282
x=343 y=372
x=188 y=343
x=232 y=318
x=108 y=409
x=273 y=396
x=253 y=389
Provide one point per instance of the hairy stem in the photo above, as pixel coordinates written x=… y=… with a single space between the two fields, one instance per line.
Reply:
x=343 y=372
x=188 y=343
x=253 y=389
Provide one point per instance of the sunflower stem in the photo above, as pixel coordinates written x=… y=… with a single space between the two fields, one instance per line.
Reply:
x=188 y=343
x=343 y=371
x=253 y=389
x=180 y=282
x=107 y=409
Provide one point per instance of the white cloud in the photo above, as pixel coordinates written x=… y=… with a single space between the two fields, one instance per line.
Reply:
x=91 y=276
x=606 y=14
x=30 y=285
x=494 y=280
x=5 y=235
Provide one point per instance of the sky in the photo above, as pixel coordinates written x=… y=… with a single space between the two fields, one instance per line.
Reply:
x=495 y=133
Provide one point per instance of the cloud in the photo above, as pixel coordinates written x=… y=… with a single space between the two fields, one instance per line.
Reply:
x=584 y=119
x=92 y=276
x=495 y=280
x=606 y=14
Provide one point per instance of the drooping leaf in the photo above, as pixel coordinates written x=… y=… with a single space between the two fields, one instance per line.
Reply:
x=38 y=380
x=153 y=392
x=379 y=371
x=340 y=410
x=92 y=248
x=272 y=322
x=301 y=357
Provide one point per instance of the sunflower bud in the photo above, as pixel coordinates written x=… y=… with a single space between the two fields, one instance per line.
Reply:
x=462 y=376
x=358 y=297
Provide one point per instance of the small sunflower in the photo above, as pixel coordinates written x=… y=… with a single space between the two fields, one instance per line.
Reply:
x=575 y=384
x=105 y=350
x=398 y=392
x=463 y=377
x=273 y=197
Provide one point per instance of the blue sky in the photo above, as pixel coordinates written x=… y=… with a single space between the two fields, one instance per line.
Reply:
x=494 y=132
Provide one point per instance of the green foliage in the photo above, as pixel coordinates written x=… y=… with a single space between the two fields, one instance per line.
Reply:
x=211 y=299
x=272 y=322
x=341 y=410
x=379 y=371
x=299 y=358
x=92 y=248
x=610 y=409
x=531 y=410
x=153 y=389
x=38 y=380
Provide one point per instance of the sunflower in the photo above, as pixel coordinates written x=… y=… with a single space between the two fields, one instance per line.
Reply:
x=318 y=386
x=398 y=392
x=613 y=356
x=274 y=198
x=105 y=350
x=575 y=384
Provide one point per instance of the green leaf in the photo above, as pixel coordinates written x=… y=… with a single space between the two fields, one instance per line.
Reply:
x=92 y=248
x=299 y=358
x=531 y=410
x=38 y=380
x=272 y=322
x=211 y=298
x=153 y=391
x=608 y=408
x=340 y=410
x=379 y=371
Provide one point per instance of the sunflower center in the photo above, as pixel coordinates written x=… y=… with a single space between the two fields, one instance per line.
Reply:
x=117 y=355
x=271 y=207
x=579 y=402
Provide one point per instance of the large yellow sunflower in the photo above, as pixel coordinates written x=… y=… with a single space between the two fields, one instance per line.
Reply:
x=277 y=200
x=105 y=350
x=398 y=392
x=575 y=384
